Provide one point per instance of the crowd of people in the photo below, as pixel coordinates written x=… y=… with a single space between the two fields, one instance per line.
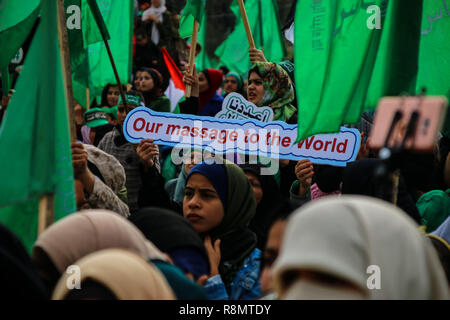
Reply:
x=148 y=228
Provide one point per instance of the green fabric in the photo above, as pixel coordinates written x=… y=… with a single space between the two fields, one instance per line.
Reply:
x=168 y=170
x=264 y=23
x=118 y=17
x=97 y=15
x=279 y=92
x=112 y=111
x=233 y=53
x=395 y=69
x=194 y=10
x=79 y=40
x=95 y=117
x=16 y=21
x=434 y=54
x=183 y=287
x=343 y=67
x=131 y=99
x=434 y=208
x=36 y=153
x=160 y=104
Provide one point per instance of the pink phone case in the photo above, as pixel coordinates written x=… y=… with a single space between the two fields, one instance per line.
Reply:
x=431 y=117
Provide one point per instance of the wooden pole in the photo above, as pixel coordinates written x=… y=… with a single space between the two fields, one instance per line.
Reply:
x=46 y=212
x=46 y=202
x=65 y=67
x=248 y=31
x=188 y=90
x=87 y=99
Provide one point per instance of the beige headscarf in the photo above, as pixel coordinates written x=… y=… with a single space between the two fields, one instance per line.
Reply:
x=88 y=231
x=124 y=273
x=343 y=236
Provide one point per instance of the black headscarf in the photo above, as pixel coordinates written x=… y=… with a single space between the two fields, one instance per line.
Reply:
x=359 y=178
x=265 y=211
x=18 y=275
x=171 y=232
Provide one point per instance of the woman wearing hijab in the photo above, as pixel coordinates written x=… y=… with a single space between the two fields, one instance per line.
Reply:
x=269 y=85
x=175 y=187
x=233 y=83
x=204 y=100
x=115 y=274
x=220 y=204
x=82 y=233
x=151 y=87
x=18 y=275
x=184 y=245
x=338 y=248
x=267 y=196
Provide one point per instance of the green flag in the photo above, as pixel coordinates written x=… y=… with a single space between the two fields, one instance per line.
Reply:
x=118 y=19
x=194 y=10
x=264 y=23
x=16 y=21
x=34 y=137
x=345 y=61
x=434 y=54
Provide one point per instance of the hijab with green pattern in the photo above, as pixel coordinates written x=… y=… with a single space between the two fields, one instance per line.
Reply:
x=279 y=92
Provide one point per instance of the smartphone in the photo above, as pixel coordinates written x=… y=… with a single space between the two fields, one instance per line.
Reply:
x=393 y=115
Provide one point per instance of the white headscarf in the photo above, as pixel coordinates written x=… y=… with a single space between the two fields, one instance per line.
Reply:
x=342 y=237
x=159 y=13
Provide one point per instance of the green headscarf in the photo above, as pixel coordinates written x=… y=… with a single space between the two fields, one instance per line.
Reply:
x=279 y=92
x=434 y=208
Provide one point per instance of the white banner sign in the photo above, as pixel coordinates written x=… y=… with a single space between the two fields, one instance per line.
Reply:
x=273 y=140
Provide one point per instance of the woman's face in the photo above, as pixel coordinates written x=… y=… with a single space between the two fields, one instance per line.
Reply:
x=270 y=254
x=231 y=84
x=256 y=185
x=202 y=205
x=203 y=84
x=255 y=88
x=146 y=81
x=113 y=96
x=137 y=81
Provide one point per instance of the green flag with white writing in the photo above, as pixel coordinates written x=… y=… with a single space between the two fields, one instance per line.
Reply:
x=348 y=54
x=34 y=137
x=16 y=21
x=434 y=55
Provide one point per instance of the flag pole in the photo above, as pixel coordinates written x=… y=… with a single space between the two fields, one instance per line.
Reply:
x=87 y=99
x=101 y=26
x=192 y=56
x=65 y=67
x=122 y=94
x=248 y=31
x=46 y=202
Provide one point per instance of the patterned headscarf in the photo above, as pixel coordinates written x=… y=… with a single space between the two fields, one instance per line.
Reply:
x=279 y=92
